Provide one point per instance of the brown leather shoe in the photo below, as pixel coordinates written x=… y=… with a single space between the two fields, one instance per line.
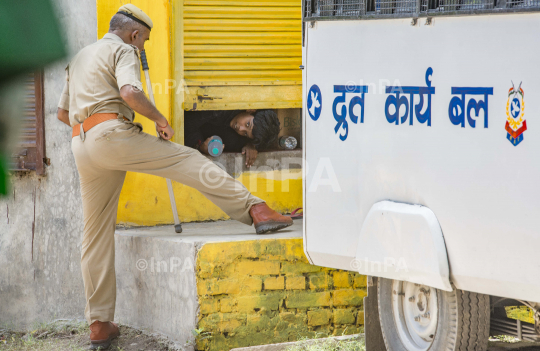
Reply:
x=102 y=333
x=267 y=220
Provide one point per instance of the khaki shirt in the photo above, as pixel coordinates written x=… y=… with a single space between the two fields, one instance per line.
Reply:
x=95 y=76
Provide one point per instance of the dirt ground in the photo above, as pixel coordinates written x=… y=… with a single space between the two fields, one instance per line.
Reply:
x=518 y=346
x=75 y=337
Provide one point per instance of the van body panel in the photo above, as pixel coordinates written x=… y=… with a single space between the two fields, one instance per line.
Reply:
x=481 y=180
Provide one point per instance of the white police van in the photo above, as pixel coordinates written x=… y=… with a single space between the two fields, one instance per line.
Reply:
x=422 y=149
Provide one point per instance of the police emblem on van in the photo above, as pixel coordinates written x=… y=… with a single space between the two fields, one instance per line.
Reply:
x=515 y=110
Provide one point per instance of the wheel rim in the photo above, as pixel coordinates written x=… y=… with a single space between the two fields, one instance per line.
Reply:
x=415 y=314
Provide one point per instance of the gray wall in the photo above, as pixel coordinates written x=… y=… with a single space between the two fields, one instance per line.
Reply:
x=41 y=221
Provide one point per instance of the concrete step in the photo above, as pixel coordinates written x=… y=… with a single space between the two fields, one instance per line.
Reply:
x=155 y=269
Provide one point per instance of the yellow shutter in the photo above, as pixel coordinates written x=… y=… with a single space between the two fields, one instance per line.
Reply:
x=242 y=54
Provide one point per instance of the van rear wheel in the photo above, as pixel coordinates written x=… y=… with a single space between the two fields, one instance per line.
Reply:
x=417 y=317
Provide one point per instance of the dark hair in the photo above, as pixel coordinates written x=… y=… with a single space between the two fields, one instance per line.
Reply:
x=121 y=22
x=265 y=129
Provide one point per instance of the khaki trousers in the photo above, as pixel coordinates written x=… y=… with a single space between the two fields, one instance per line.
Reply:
x=109 y=150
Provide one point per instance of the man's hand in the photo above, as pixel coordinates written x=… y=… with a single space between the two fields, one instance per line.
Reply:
x=165 y=132
x=251 y=154
x=136 y=99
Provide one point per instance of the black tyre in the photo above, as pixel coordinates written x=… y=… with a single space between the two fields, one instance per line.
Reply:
x=416 y=317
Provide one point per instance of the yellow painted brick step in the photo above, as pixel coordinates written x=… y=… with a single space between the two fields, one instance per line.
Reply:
x=208 y=306
x=320 y=317
x=274 y=283
x=308 y=299
x=229 y=286
x=360 y=281
x=319 y=281
x=224 y=253
x=269 y=301
x=257 y=267
x=227 y=305
x=299 y=267
x=344 y=316
x=342 y=280
x=296 y=283
x=349 y=297
x=348 y=330
x=293 y=318
x=360 y=318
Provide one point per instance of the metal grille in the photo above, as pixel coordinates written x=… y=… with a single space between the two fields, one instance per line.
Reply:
x=457 y=5
x=476 y=5
x=334 y=8
x=516 y=4
x=394 y=8
x=307 y=9
x=389 y=7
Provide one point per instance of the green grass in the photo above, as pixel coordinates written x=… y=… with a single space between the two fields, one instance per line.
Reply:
x=330 y=344
x=504 y=338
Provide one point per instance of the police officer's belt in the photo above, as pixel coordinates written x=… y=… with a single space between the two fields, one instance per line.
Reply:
x=93 y=121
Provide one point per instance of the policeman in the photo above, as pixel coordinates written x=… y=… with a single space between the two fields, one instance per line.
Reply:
x=102 y=91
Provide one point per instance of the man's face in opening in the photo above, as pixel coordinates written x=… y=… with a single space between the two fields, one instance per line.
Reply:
x=243 y=124
x=139 y=37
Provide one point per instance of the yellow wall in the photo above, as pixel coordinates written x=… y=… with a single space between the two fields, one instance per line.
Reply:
x=144 y=199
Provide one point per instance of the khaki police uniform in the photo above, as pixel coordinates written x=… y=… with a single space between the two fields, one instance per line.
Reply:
x=107 y=151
